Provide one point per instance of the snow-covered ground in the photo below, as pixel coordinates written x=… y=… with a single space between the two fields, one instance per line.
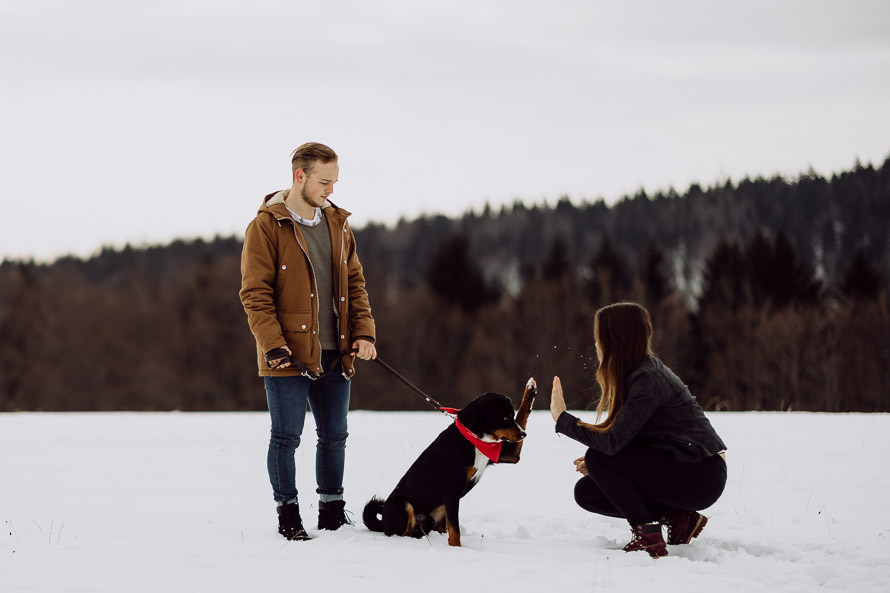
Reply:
x=130 y=502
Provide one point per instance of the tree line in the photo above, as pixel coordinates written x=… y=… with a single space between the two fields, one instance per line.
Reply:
x=769 y=294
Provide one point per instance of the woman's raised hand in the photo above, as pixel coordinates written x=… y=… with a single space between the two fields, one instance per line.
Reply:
x=557 y=400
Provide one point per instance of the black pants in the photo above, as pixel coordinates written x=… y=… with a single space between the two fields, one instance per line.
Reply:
x=641 y=483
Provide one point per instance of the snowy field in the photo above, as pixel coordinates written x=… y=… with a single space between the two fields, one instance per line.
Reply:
x=128 y=502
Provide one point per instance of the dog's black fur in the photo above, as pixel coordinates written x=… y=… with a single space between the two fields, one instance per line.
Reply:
x=427 y=497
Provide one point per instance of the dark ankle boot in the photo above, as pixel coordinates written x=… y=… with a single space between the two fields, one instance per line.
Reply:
x=647 y=536
x=332 y=515
x=683 y=526
x=290 y=525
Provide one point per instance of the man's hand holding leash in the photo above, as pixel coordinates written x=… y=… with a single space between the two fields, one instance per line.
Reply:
x=366 y=349
x=279 y=358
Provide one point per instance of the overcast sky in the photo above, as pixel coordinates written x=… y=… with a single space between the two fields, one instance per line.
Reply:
x=142 y=121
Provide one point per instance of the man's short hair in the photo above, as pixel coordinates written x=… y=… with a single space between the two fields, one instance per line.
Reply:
x=306 y=155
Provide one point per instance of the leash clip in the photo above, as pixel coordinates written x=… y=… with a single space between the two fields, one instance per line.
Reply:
x=451 y=412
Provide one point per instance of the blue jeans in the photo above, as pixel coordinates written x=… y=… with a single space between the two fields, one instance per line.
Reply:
x=328 y=399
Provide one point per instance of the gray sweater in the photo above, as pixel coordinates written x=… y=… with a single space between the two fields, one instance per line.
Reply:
x=659 y=412
x=318 y=240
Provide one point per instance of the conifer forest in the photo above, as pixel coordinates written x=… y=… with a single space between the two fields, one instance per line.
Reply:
x=766 y=294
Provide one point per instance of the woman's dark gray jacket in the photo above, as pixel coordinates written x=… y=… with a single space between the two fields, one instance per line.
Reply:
x=659 y=412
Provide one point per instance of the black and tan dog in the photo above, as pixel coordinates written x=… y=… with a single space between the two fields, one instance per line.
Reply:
x=427 y=497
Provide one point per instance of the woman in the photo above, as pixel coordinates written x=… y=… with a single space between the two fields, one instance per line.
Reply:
x=653 y=458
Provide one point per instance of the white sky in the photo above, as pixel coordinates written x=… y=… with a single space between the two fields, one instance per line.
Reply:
x=142 y=121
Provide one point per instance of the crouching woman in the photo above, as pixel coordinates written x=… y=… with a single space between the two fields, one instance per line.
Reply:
x=653 y=458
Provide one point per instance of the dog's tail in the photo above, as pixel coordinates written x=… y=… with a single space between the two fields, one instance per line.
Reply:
x=373 y=514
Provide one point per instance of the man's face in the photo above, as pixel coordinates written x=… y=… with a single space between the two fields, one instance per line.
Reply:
x=318 y=185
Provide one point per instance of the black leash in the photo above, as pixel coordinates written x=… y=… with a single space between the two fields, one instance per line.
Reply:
x=436 y=405
x=314 y=376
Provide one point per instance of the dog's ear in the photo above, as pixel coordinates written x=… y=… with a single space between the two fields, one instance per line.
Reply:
x=475 y=415
x=486 y=412
x=471 y=415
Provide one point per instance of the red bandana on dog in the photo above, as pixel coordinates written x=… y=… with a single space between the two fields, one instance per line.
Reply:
x=490 y=450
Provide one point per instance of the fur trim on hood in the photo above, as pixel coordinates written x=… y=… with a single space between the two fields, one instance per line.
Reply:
x=280 y=196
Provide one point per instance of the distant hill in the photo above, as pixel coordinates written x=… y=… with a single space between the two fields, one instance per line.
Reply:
x=825 y=219
x=766 y=294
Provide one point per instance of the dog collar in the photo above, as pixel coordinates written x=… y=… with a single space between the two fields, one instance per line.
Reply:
x=490 y=450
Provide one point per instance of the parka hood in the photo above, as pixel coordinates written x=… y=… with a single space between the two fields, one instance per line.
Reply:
x=274 y=204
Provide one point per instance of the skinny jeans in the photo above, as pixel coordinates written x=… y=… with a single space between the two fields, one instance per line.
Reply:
x=328 y=399
x=641 y=483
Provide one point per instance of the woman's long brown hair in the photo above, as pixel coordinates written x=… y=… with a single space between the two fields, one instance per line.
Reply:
x=623 y=332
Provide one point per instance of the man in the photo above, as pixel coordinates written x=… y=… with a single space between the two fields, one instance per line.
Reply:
x=303 y=290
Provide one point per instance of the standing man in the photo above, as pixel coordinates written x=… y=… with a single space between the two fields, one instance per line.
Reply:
x=303 y=290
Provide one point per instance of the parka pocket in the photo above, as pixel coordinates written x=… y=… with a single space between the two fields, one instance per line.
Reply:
x=295 y=322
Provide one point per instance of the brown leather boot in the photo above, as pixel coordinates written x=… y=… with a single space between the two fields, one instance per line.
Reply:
x=647 y=537
x=683 y=526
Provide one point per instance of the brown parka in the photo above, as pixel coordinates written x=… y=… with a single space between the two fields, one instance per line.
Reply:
x=278 y=287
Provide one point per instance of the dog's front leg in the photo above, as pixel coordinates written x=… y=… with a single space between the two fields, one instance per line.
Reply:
x=528 y=400
x=451 y=522
x=510 y=451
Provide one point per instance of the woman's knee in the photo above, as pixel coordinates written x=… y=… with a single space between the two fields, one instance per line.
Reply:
x=594 y=460
x=589 y=497
x=582 y=488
